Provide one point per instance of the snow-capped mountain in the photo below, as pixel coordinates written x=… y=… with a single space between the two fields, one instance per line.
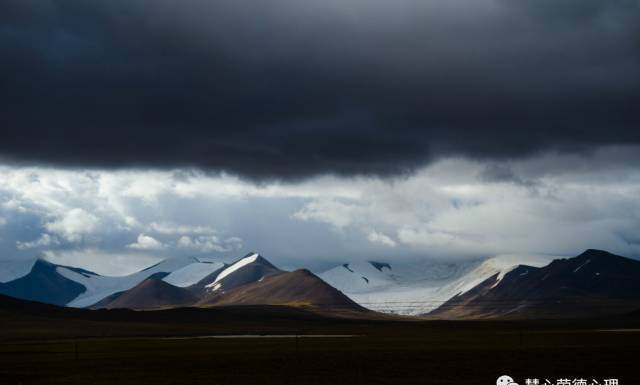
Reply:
x=193 y=273
x=43 y=281
x=204 y=282
x=412 y=288
x=251 y=268
x=251 y=280
x=595 y=283
x=99 y=287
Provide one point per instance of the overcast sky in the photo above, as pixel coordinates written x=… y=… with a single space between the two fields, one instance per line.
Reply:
x=317 y=131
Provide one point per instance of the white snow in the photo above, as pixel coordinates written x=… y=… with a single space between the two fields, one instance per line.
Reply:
x=349 y=278
x=99 y=287
x=13 y=269
x=241 y=263
x=580 y=267
x=192 y=274
x=413 y=288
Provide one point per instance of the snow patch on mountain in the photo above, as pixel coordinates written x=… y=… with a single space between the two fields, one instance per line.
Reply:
x=99 y=287
x=414 y=288
x=236 y=266
x=192 y=274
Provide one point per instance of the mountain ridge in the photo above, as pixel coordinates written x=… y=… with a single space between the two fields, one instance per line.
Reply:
x=595 y=282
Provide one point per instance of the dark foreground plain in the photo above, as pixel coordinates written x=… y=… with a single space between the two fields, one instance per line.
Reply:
x=48 y=345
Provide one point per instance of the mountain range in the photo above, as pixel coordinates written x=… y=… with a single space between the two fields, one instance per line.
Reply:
x=595 y=283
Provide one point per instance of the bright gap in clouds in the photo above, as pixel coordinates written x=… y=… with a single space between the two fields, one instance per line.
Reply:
x=115 y=222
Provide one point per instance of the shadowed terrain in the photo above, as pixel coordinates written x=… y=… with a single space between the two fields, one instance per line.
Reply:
x=594 y=284
x=44 y=344
x=151 y=293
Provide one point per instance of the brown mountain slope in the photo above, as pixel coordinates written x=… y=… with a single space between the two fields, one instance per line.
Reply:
x=297 y=288
x=593 y=284
x=151 y=293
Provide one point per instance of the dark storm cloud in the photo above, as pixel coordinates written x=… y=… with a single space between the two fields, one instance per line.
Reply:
x=289 y=89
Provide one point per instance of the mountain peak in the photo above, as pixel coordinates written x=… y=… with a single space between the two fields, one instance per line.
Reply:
x=247 y=269
x=255 y=257
x=298 y=288
x=152 y=293
x=595 y=253
x=41 y=261
x=603 y=258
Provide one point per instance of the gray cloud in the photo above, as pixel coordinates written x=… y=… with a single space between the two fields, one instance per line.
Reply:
x=291 y=89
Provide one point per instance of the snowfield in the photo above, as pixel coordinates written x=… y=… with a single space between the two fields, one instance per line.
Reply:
x=99 y=287
x=192 y=274
x=419 y=287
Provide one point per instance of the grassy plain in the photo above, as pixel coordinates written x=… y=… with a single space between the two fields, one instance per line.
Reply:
x=120 y=348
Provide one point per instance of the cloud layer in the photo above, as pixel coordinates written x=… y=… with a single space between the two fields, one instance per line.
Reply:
x=290 y=89
x=117 y=221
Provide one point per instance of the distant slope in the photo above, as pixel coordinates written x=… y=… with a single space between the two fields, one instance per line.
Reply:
x=595 y=283
x=152 y=293
x=298 y=288
x=44 y=284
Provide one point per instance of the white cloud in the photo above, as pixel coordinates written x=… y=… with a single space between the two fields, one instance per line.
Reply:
x=332 y=211
x=447 y=210
x=74 y=224
x=45 y=240
x=380 y=238
x=146 y=242
x=209 y=243
x=236 y=241
x=173 y=228
x=549 y=204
